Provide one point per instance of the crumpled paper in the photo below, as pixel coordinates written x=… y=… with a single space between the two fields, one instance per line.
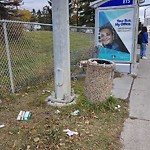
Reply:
x=70 y=133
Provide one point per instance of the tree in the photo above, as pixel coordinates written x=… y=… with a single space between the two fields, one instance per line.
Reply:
x=50 y=3
x=74 y=12
x=34 y=16
x=47 y=14
x=25 y=15
x=39 y=16
x=44 y=15
x=82 y=13
x=49 y=8
x=9 y=9
x=87 y=14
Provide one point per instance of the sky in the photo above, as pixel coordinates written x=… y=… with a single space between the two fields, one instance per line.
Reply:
x=34 y=4
x=39 y=4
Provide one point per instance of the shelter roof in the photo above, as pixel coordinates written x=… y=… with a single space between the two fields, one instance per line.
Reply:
x=98 y=3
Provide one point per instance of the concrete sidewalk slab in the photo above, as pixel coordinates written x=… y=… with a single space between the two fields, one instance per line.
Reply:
x=139 y=99
x=135 y=135
x=140 y=104
x=122 y=86
x=141 y=84
x=144 y=68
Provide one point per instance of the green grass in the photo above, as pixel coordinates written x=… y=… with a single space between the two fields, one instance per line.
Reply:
x=99 y=125
x=80 y=41
x=32 y=57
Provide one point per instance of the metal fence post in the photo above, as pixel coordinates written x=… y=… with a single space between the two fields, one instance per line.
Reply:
x=91 y=40
x=8 y=58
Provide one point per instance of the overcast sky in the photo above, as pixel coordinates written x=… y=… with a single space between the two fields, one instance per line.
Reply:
x=36 y=4
x=39 y=4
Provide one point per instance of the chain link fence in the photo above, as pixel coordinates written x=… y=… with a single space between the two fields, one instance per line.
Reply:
x=26 y=53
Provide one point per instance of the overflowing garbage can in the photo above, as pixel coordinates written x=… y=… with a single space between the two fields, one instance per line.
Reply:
x=99 y=79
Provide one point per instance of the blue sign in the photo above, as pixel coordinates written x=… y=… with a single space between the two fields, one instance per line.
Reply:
x=117 y=3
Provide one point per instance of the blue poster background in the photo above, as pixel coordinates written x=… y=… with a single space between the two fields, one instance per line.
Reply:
x=106 y=53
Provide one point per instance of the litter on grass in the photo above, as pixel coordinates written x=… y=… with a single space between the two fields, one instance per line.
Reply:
x=24 y=115
x=46 y=91
x=75 y=113
x=118 y=107
x=70 y=133
x=2 y=125
x=57 y=112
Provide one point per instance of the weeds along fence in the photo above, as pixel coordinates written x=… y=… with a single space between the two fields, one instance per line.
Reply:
x=26 y=53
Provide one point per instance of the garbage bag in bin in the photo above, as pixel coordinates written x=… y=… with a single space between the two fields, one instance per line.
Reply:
x=99 y=79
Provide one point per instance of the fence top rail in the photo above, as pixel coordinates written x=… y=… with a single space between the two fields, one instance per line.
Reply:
x=36 y=23
x=81 y=27
x=32 y=23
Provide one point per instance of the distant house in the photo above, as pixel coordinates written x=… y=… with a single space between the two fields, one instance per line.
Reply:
x=32 y=27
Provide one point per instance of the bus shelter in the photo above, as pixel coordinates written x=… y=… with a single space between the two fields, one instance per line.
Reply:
x=116 y=28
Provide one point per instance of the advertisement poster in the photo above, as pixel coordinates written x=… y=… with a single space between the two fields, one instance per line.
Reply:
x=115 y=34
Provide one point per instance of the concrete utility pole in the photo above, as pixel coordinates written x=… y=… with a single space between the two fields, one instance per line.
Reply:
x=61 y=44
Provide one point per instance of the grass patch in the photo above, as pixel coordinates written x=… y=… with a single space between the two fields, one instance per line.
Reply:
x=98 y=125
x=32 y=57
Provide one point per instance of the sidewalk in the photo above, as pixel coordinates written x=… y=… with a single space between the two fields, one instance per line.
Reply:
x=136 y=131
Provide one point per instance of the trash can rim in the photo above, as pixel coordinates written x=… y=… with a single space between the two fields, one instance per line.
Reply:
x=92 y=59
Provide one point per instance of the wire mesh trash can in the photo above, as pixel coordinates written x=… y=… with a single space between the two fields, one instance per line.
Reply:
x=99 y=79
